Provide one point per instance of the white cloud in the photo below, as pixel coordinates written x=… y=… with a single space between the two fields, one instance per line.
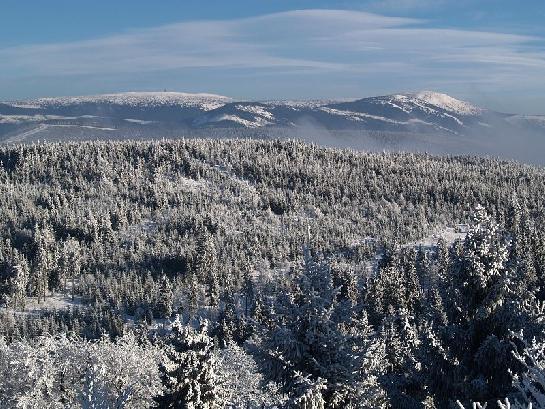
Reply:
x=397 y=5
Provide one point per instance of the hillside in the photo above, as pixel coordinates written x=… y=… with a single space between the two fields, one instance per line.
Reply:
x=240 y=253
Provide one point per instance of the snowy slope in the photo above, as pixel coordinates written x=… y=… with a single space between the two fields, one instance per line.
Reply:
x=112 y=111
x=435 y=110
x=447 y=103
x=423 y=111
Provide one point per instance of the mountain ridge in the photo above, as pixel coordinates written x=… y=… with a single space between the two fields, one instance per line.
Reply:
x=422 y=119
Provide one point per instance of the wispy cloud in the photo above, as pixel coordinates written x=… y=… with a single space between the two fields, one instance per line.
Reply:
x=330 y=43
x=405 y=5
x=257 y=42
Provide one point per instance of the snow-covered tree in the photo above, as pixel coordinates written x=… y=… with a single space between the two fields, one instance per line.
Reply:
x=165 y=296
x=58 y=372
x=44 y=261
x=313 y=342
x=206 y=266
x=480 y=275
x=307 y=393
x=70 y=264
x=190 y=370
x=530 y=383
x=396 y=285
x=228 y=321
x=248 y=289
x=242 y=385
x=95 y=391
x=19 y=280
x=481 y=310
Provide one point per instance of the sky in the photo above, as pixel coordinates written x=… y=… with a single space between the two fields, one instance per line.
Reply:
x=489 y=52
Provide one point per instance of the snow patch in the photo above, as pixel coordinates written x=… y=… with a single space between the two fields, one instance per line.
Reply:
x=303 y=104
x=256 y=109
x=257 y=122
x=23 y=105
x=361 y=116
x=206 y=102
x=448 y=103
x=21 y=119
x=100 y=128
x=138 y=121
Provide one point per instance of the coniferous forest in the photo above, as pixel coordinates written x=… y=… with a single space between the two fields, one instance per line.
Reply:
x=208 y=274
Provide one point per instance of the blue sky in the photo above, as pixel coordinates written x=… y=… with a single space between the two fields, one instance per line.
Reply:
x=491 y=52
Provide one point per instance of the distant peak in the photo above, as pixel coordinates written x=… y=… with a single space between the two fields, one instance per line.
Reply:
x=447 y=102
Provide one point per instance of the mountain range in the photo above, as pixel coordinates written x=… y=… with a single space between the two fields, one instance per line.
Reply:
x=428 y=120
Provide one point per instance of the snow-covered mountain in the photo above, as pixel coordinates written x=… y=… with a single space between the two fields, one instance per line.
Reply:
x=117 y=110
x=209 y=110
x=423 y=113
x=158 y=114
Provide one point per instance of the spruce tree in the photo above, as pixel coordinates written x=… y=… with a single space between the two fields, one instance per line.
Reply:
x=165 y=298
x=481 y=309
x=206 y=267
x=189 y=370
x=19 y=280
x=313 y=342
x=44 y=260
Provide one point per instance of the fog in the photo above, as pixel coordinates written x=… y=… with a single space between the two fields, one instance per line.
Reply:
x=523 y=146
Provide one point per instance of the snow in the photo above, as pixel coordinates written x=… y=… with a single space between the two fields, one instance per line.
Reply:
x=19 y=119
x=244 y=183
x=436 y=126
x=450 y=234
x=431 y=103
x=53 y=302
x=256 y=109
x=359 y=116
x=257 y=122
x=100 y=128
x=536 y=118
x=138 y=121
x=23 y=105
x=22 y=136
x=206 y=102
x=447 y=103
x=310 y=103
x=261 y=117
x=42 y=127
x=261 y=114
x=192 y=184
x=404 y=106
x=454 y=118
